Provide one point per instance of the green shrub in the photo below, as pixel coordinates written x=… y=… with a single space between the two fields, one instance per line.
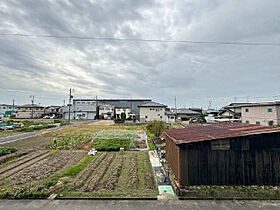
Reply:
x=118 y=120
x=7 y=150
x=111 y=144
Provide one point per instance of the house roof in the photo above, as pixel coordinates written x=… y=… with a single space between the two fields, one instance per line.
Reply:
x=152 y=104
x=187 y=111
x=167 y=112
x=30 y=105
x=197 y=132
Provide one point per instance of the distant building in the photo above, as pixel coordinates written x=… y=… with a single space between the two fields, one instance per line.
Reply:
x=30 y=111
x=152 y=111
x=55 y=111
x=122 y=109
x=84 y=110
x=232 y=111
x=106 y=111
x=170 y=116
x=6 y=109
x=224 y=154
x=184 y=113
x=261 y=113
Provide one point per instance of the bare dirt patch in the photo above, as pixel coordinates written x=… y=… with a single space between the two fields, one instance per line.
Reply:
x=47 y=166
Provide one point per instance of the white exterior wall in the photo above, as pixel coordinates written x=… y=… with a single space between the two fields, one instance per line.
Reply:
x=152 y=113
x=170 y=118
x=119 y=111
x=260 y=114
x=4 y=108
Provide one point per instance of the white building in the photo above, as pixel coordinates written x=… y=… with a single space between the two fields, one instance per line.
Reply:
x=106 y=111
x=5 y=107
x=120 y=110
x=152 y=111
x=170 y=116
x=80 y=110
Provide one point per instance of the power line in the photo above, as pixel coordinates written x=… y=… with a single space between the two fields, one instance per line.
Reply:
x=142 y=40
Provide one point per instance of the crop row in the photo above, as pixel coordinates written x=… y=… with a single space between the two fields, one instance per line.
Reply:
x=86 y=173
x=95 y=179
x=112 y=181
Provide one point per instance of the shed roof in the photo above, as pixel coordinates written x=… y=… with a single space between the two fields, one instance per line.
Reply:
x=187 y=111
x=198 y=132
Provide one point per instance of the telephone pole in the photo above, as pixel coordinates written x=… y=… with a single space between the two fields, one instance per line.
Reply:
x=69 y=105
x=175 y=105
x=32 y=106
x=13 y=105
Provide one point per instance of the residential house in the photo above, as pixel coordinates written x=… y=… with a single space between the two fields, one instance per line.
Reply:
x=184 y=113
x=152 y=111
x=106 y=111
x=30 y=111
x=122 y=109
x=170 y=116
x=232 y=111
x=55 y=111
x=261 y=113
x=224 y=154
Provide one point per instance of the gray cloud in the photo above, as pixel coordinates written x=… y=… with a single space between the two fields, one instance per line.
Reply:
x=48 y=67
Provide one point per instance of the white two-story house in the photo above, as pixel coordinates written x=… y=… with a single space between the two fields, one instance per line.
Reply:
x=152 y=111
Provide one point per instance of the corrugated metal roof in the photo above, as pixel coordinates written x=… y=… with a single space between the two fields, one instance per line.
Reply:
x=198 y=132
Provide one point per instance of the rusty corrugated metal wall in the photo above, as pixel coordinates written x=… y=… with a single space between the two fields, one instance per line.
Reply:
x=172 y=156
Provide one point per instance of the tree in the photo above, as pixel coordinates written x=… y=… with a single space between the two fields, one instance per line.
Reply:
x=156 y=127
x=123 y=116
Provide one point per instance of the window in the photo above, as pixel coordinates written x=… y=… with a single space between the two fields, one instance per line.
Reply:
x=270 y=123
x=146 y=117
x=4 y=107
x=220 y=145
x=258 y=123
x=10 y=107
x=247 y=122
x=246 y=110
x=160 y=117
x=269 y=109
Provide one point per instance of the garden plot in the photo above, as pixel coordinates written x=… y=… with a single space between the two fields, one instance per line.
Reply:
x=113 y=140
x=38 y=166
x=120 y=174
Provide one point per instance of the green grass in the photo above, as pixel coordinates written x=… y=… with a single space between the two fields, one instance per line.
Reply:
x=7 y=150
x=110 y=144
x=74 y=170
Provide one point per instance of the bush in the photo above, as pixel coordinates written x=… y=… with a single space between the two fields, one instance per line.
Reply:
x=118 y=120
x=110 y=144
x=7 y=150
x=156 y=128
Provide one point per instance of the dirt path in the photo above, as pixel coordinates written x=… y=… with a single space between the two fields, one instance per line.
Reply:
x=21 y=164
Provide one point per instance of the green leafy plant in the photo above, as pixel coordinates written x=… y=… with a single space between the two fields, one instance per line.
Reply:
x=156 y=127
x=7 y=150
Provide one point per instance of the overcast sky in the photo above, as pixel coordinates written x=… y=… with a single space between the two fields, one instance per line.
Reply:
x=195 y=73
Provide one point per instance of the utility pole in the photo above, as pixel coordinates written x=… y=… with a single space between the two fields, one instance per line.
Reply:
x=69 y=105
x=13 y=105
x=175 y=105
x=32 y=106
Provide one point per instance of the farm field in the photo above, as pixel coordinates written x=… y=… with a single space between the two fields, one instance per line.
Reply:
x=57 y=162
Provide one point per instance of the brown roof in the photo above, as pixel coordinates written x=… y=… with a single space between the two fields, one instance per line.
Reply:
x=198 y=132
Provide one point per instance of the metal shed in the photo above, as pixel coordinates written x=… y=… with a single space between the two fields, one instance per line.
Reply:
x=224 y=154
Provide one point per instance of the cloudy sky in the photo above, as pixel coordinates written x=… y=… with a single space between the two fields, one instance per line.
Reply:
x=195 y=73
